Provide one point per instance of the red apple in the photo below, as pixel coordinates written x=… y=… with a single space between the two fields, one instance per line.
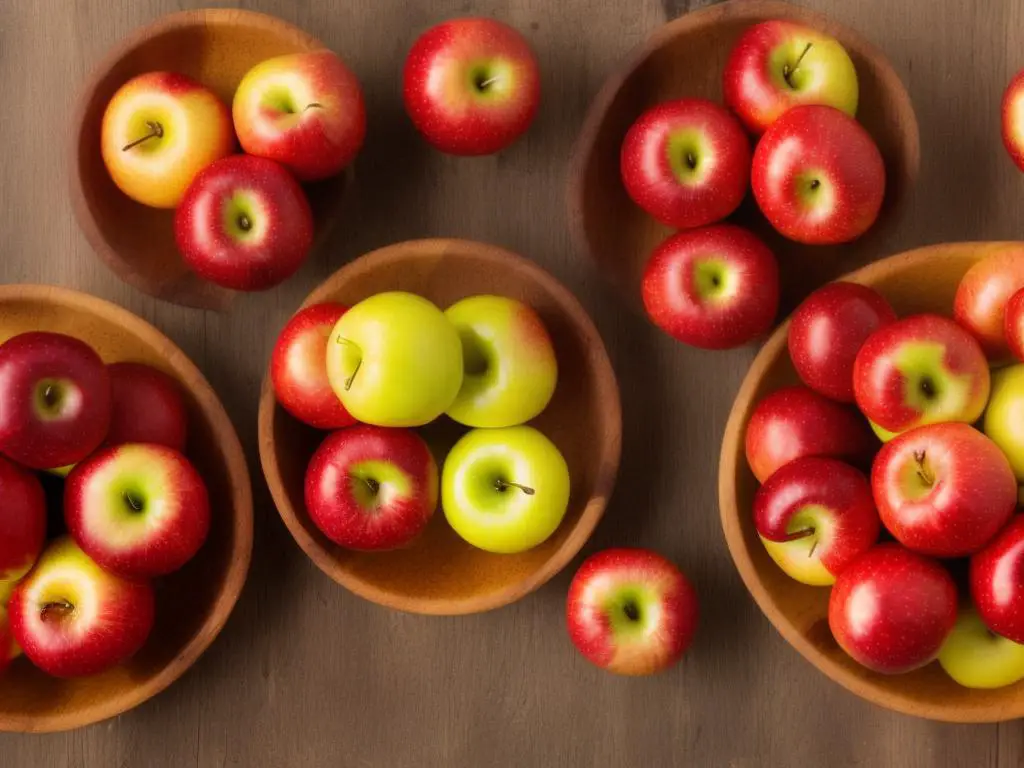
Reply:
x=714 y=288
x=818 y=176
x=944 y=489
x=892 y=609
x=138 y=510
x=827 y=331
x=981 y=298
x=22 y=525
x=244 y=223
x=686 y=162
x=997 y=582
x=298 y=368
x=471 y=86
x=147 y=407
x=1013 y=119
x=795 y=421
x=1013 y=325
x=631 y=611
x=54 y=399
x=372 y=488
x=920 y=370
x=8 y=648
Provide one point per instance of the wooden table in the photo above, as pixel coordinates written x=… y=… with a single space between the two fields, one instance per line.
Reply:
x=305 y=673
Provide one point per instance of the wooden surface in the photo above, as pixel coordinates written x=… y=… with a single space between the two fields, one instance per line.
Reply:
x=306 y=674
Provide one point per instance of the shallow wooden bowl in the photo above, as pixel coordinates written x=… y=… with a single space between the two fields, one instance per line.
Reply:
x=440 y=573
x=922 y=280
x=217 y=48
x=685 y=58
x=194 y=603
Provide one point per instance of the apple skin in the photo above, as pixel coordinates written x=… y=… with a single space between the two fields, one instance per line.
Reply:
x=975 y=657
x=1004 y=417
x=922 y=369
x=712 y=288
x=55 y=399
x=944 y=489
x=303 y=110
x=982 y=295
x=827 y=331
x=796 y=421
x=147 y=407
x=1013 y=325
x=471 y=86
x=891 y=609
x=997 y=581
x=1013 y=119
x=631 y=611
x=509 y=365
x=815 y=516
x=372 y=488
x=196 y=128
x=778 y=65
x=8 y=648
x=686 y=162
x=22 y=525
x=818 y=176
x=74 y=619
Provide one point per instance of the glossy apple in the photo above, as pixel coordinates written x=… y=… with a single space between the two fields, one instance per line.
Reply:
x=631 y=611
x=22 y=525
x=371 y=488
x=686 y=162
x=997 y=581
x=395 y=360
x=146 y=407
x=504 y=490
x=1013 y=325
x=509 y=365
x=976 y=657
x=471 y=86
x=713 y=288
x=158 y=132
x=922 y=369
x=982 y=295
x=1004 y=417
x=818 y=176
x=891 y=609
x=1013 y=119
x=827 y=331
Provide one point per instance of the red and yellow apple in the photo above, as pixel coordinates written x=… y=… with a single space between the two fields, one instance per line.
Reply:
x=997 y=582
x=982 y=296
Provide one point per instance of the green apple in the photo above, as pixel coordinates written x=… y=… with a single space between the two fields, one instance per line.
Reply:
x=976 y=657
x=509 y=367
x=504 y=490
x=394 y=360
x=1004 y=419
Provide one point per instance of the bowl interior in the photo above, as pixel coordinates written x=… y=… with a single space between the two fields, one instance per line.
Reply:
x=924 y=280
x=217 y=48
x=686 y=58
x=192 y=604
x=439 y=572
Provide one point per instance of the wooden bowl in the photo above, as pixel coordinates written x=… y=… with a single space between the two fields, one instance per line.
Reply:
x=440 y=573
x=923 y=280
x=686 y=58
x=192 y=604
x=217 y=48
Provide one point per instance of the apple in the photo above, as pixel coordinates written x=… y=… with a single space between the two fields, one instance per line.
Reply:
x=921 y=369
x=975 y=657
x=943 y=489
x=371 y=488
x=1013 y=325
x=818 y=176
x=884 y=435
x=55 y=400
x=303 y=110
x=8 y=648
x=22 y=525
x=395 y=360
x=1004 y=417
x=686 y=162
x=891 y=609
x=298 y=368
x=713 y=288
x=796 y=421
x=815 y=516
x=244 y=224
x=827 y=331
x=997 y=581
x=159 y=130
x=73 y=618
x=509 y=366
x=138 y=510
x=504 y=490
x=631 y=611
x=778 y=65
x=1012 y=122
x=146 y=407
x=982 y=295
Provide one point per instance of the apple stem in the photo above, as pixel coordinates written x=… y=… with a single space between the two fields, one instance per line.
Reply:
x=372 y=484
x=49 y=396
x=156 y=131
x=788 y=72
x=922 y=471
x=801 y=534
x=314 y=105
x=56 y=609
x=815 y=184
x=504 y=485
x=483 y=85
x=352 y=378
x=244 y=223
x=132 y=502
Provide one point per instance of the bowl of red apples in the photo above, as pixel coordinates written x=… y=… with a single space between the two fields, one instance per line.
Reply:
x=127 y=522
x=869 y=481
x=440 y=426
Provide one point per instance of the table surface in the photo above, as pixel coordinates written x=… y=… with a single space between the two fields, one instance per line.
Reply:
x=307 y=674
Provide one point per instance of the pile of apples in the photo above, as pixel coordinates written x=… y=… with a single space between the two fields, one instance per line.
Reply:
x=817 y=176
x=134 y=507
x=942 y=493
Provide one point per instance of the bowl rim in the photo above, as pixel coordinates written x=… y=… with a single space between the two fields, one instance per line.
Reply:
x=594 y=506
x=238 y=473
x=730 y=463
